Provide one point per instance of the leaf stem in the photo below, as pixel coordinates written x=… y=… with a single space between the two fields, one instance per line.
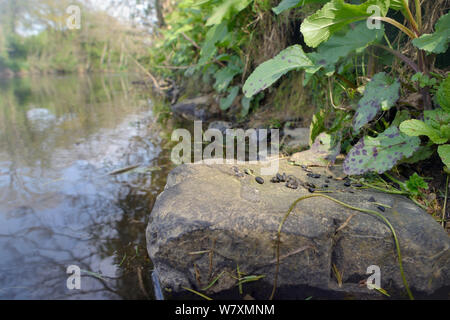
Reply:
x=401 y=56
x=418 y=14
x=410 y=17
x=397 y=24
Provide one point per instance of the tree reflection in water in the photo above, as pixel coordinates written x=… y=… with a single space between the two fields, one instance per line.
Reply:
x=58 y=205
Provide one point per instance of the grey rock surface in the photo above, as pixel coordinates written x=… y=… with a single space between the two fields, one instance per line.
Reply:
x=220 y=209
x=222 y=126
x=199 y=108
x=296 y=137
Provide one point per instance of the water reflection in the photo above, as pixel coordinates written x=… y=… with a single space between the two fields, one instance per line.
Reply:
x=59 y=138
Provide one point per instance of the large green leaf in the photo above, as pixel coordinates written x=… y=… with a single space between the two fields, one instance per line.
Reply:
x=341 y=45
x=291 y=58
x=334 y=16
x=226 y=9
x=288 y=4
x=436 y=126
x=380 y=93
x=436 y=42
x=381 y=153
x=443 y=94
x=415 y=128
x=444 y=153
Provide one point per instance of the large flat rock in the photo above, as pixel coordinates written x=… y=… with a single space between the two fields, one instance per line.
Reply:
x=211 y=207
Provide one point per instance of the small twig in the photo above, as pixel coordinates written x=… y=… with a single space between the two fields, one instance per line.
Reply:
x=197 y=293
x=445 y=202
x=155 y=82
x=141 y=282
x=345 y=223
x=401 y=56
x=292 y=253
x=190 y=40
x=175 y=67
x=211 y=255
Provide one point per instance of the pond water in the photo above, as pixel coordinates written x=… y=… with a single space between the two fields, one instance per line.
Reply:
x=59 y=139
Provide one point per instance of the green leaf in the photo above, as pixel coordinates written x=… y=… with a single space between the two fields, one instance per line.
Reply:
x=423 y=153
x=381 y=153
x=334 y=16
x=380 y=93
x=214 y=35
x=226 y=9
x=288 y=4
x=414 y=183
x=225 y=75
x=245 y=102
x=397 y=5
x=317 y=126
x=423 y=79
x=444 y=153
x=225 y=103
x=436 y=118
x=443 y=94
x=341 y=45
x=401 y=116
x=436 y=42
x=291 y=58
x=415 y=128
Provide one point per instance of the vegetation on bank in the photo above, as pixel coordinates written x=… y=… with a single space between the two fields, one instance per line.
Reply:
x=376 y=73
x=372 y=75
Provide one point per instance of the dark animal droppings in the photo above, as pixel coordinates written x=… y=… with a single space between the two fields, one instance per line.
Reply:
x=347 y=184
x=311 y=190
x=292 y=184
x=259 y=180
x=371 y=199
x=311 y=185
x=381 y=208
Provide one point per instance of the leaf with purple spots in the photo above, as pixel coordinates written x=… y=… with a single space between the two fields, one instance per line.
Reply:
x=381 y=93
x=291 y=58
x=381 y=153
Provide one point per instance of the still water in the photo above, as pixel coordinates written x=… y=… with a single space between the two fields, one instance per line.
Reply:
x=60 y=137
